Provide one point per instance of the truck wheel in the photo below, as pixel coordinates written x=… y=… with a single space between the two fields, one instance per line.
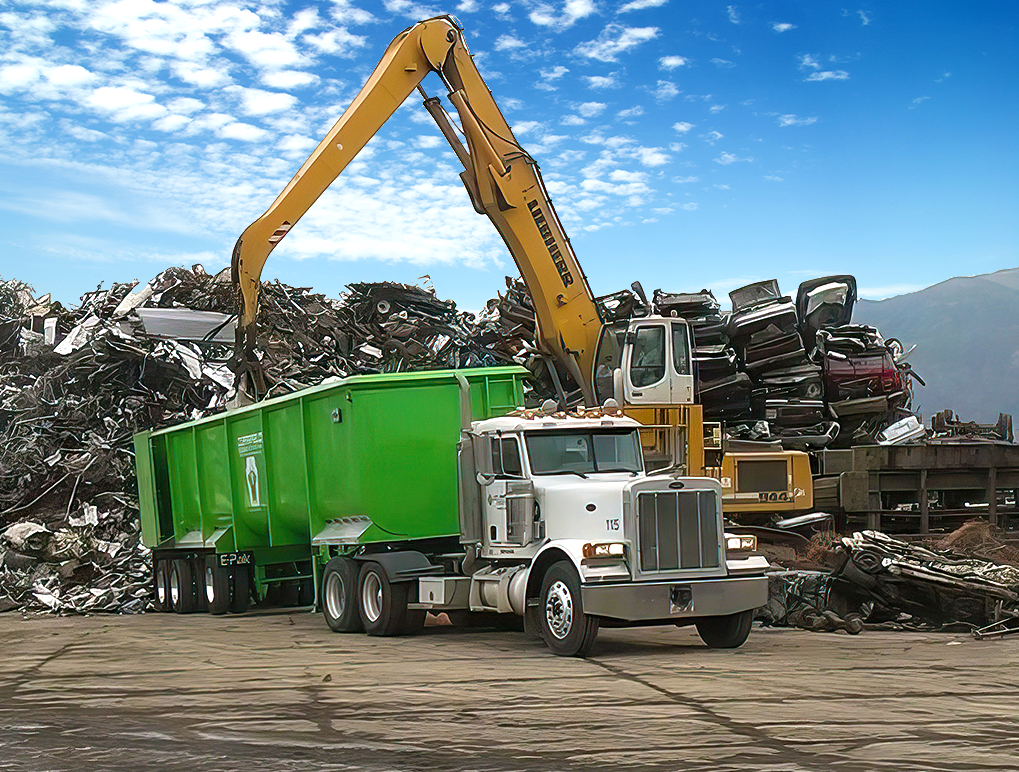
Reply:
x=565 y=628
x=241 y=595
x=217 y=586
x=183 y=597
x=339 y=596
x=161 y=584
x=381 y=604
x=728 y=632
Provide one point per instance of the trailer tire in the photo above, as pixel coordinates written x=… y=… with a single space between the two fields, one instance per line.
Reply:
x=381 y=604
x=183 y=597
x=728 y=632
x=161 y=584
x=216 y=585
x=241 y=595
x=339 y=596
x=565 y=628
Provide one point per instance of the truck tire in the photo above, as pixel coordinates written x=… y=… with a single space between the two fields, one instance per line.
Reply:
x=216 y=585
x=339 y=596
x=183 y=597
x=381 y=604
x=565 y=628
x=161 y=585
x=728 y=632
x=241 y=595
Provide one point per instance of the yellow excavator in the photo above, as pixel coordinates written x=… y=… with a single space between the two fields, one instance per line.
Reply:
x=644 y=363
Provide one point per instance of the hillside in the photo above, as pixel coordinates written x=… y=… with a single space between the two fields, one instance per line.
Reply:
x=967 y=335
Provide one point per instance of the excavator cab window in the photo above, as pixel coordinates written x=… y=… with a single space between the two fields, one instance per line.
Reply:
x=681 y=348
x=647 y=363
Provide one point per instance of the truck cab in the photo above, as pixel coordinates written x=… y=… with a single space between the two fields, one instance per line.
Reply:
x=570 y=491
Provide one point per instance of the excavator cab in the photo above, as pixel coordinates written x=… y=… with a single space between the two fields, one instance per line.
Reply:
x=645 y=361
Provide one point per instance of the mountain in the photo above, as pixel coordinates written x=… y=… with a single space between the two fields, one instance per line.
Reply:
x=966 y=332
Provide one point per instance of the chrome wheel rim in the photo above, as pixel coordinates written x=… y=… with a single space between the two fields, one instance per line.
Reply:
x=371 y=596
x=161 y=586
x=559 y=609
x=210 y=585
x=335 y=595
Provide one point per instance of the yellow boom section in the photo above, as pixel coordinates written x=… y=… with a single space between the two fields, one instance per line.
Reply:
x=503 y=181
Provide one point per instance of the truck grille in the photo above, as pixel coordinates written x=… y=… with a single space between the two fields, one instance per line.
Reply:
x=677 y=530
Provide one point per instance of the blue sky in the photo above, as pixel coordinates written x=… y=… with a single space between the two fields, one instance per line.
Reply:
x=687 y=144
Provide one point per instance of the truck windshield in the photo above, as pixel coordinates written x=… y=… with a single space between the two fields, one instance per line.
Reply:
x=584 y=452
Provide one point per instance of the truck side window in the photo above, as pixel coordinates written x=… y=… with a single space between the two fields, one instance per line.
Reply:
x=647 y=363
x=680 y=348
x=506 y=458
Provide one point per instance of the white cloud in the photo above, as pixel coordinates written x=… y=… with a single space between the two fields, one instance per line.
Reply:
x=686 y=180
x=917 y=102
x=864 y=17
x=287 y=79
x=185 y=105
x=730 y=158
x=615 y=40
x=336 y=42
x=808 y=62
x=171 y=123
x=672 y=62
x=723 y=63
x=621 y=175
x=682 y=127
x=712 y=137
x=508 y=43
x=716 y=109
x=782 y=26
x=468 y=6
x=678 y=147
x=591 y=109
x=122 y=103
x=602 y=81
x=244 y=132
x=572 y=120
x=297 y=145
x=255 y=101
x=546 y=15
x=526 y=127
x=733 y=14
x=772 y=178
x=632 y=112
x=651 y=156
x=665 y=90
x=272 y=50
x=345 y=13
x=792 y=120
x=690 y=207
x=427 y=142
x=640 y=5
x=200 y=75
x=84 y=134
x=555 y=73
x=828 y=75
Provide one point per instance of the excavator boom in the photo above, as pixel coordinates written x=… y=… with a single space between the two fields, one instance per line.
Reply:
x=501 y=178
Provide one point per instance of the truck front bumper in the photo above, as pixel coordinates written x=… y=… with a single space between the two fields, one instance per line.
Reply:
x=675 y=599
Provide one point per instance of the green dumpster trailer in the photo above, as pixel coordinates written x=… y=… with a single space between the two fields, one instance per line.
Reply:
x=233 y=503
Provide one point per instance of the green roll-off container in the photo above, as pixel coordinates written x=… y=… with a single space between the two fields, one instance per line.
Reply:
x=269 y=477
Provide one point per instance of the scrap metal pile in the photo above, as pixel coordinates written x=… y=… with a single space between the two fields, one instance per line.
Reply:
x=76 y=384
x=968 y=578
x=796 y=371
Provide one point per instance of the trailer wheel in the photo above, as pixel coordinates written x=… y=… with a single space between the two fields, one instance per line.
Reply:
x=217 y=586
x=339 y=596
x=565 y=628
x=381 y=604
x=241 y=594
x=728 y=632
x=161 y=584
x=183 y=597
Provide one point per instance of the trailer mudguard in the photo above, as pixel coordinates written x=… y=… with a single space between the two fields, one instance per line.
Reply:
x=403 y=566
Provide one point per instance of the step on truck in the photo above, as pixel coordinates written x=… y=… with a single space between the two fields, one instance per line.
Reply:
x=381 y=498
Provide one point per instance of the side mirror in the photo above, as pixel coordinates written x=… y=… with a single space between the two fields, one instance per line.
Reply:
x=485 y=479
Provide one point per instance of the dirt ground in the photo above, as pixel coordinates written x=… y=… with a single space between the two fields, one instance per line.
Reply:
x=279 y=691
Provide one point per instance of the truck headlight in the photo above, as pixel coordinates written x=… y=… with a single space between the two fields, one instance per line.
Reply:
x=613 y=549
x=740 y=543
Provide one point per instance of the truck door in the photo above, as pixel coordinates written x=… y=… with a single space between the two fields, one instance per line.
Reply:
x=681 y=376
x=509 y=500
x=645 y=364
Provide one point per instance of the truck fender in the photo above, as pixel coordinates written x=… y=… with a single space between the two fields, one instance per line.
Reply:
x=405 y=566
x=550 y=553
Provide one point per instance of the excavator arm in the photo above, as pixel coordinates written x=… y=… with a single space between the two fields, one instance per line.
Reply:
x=502 y=180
